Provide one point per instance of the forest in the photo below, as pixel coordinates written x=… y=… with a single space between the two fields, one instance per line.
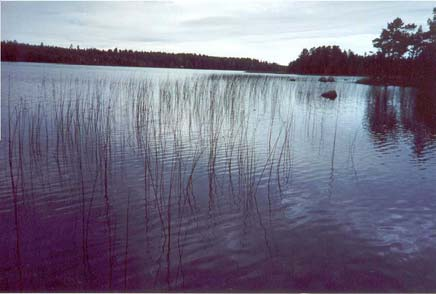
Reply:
x=15 y=51
x=406 y=55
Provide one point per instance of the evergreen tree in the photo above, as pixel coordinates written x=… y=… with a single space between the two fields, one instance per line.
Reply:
x=395 y=41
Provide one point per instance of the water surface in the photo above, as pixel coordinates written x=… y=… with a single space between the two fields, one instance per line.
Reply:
x=147 y=179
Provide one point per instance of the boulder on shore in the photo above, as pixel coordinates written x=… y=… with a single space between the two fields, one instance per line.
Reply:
x=330 y=95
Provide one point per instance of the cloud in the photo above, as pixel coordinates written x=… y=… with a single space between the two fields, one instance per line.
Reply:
x=273 y=31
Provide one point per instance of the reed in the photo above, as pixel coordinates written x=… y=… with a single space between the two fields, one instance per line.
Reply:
x=195 y=144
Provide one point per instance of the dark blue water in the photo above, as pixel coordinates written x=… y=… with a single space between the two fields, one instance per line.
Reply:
x=157 y=180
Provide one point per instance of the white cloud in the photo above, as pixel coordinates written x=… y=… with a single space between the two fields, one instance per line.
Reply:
x=268 y=30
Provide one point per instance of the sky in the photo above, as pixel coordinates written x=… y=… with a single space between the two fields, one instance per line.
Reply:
x=274 y=31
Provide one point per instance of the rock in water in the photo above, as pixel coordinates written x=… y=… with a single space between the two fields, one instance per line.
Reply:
x=327 y=80
x=330 y=95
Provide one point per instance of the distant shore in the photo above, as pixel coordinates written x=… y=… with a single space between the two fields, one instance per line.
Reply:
x=362 y=80
x=19 y=52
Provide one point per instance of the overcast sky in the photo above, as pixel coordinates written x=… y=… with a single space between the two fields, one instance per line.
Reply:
x=274 y=31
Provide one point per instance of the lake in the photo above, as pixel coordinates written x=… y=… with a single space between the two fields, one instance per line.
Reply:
x=147 y=179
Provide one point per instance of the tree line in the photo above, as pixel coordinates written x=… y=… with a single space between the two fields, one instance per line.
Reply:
x=406 y=55
x=14 y=51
